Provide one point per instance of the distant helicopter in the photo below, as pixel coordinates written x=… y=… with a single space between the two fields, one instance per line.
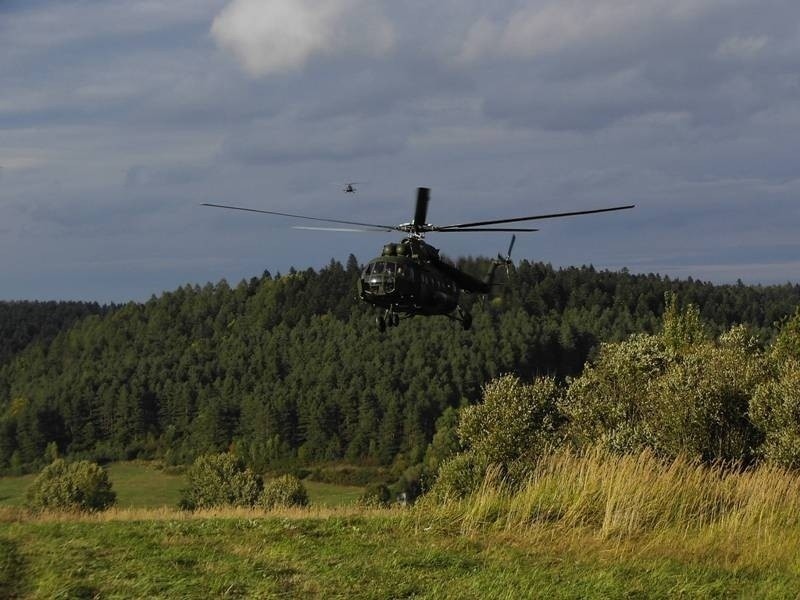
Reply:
x=350 y=187
x=409 y=278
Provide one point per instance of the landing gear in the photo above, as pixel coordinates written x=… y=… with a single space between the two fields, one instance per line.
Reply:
x=464 y=318
x=388 y=319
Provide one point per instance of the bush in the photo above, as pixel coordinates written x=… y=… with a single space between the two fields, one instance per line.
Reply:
x=445 y=443
x=459 y=477
x=515 y=421
x=604 y=404
x=376 y=495
x=676 y=393
x=699 y=407
x=78 y=486
x=219 y=480
x=283 y=491
x=775 y=407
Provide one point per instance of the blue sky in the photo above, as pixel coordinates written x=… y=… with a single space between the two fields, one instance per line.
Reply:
x=118 y=118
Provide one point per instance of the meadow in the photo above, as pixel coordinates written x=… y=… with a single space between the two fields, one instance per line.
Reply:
x=593 y=525
x=140 y=484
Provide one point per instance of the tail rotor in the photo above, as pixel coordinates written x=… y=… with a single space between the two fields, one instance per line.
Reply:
x=509 y=264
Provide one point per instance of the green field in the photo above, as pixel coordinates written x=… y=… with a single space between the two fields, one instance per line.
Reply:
x=142 y=485
x=372 y=555
x=594 y=526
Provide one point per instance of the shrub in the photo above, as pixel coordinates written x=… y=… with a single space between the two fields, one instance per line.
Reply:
x=376 y=495
x=444 y=444
x=79 y=486
x=283 y=491
x=676 y=393
x=219 y=480
x=775 y=409
x=699 y=407
x=604 y=404
x=515 y=421
x=458 y=477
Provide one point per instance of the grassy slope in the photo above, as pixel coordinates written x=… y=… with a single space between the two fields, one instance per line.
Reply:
x=373 y=555
x=140 y=485
x=593 y=526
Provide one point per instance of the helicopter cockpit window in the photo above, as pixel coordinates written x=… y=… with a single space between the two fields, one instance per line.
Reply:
x=390 y=268
x=377 y=268
x=367 y=270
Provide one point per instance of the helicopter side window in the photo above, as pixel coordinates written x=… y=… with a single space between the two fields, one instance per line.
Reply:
x=390 y=268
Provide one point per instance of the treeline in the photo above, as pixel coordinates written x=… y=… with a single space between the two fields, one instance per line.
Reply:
x=291 y=369
x=22 y=323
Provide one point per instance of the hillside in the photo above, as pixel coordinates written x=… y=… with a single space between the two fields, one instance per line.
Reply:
x=22 y=323
x=291 y=369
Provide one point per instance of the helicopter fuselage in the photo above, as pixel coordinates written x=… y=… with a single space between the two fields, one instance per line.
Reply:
x=408 y=287
x=409 y=278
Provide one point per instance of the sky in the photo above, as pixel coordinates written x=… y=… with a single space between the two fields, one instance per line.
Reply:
x=118 y=118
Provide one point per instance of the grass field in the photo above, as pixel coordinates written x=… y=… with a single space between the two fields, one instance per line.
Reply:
x=341 y=554
x=142 y=485
x=593 y=526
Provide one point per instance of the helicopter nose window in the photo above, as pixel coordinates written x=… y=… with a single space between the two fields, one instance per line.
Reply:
x=367 y=270
x=377 y=268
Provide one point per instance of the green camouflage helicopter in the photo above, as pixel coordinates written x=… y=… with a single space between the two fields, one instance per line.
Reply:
x=409 y=278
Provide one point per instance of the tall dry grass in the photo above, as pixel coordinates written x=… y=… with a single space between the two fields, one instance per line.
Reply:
x=19 y=514
x=637 y=502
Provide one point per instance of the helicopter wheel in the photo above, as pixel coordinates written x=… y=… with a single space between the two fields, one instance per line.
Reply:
x=395 y=319
x=381 y=323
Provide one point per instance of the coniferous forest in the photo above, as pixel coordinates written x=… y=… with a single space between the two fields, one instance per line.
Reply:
x=291 y=370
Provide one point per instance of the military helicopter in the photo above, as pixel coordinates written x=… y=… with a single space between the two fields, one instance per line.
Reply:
x=409 y=278
x=350 y=187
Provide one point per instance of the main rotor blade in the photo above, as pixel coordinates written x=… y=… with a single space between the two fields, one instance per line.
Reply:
x=280 y=214
x=534 y=217
x=421 y=210
x=346 y=229
x=506 y=229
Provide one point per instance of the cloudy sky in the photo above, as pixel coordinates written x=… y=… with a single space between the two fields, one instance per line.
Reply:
x=119 y=117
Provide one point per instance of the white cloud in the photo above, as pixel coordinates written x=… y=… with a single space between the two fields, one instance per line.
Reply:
x=283 y=35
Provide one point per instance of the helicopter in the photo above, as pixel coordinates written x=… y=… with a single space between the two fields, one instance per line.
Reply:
x=350 y=187
x=409 y=278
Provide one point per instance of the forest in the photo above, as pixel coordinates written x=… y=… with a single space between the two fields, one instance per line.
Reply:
x=290 y=370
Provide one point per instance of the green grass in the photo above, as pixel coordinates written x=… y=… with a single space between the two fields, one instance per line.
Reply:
x=142 y=485
x=12 y=489
x=330 y=494
x=380 y=555
x=584 y=526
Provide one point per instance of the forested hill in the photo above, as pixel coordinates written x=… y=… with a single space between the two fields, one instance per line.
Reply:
x=24 y=322
x=293 y=369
